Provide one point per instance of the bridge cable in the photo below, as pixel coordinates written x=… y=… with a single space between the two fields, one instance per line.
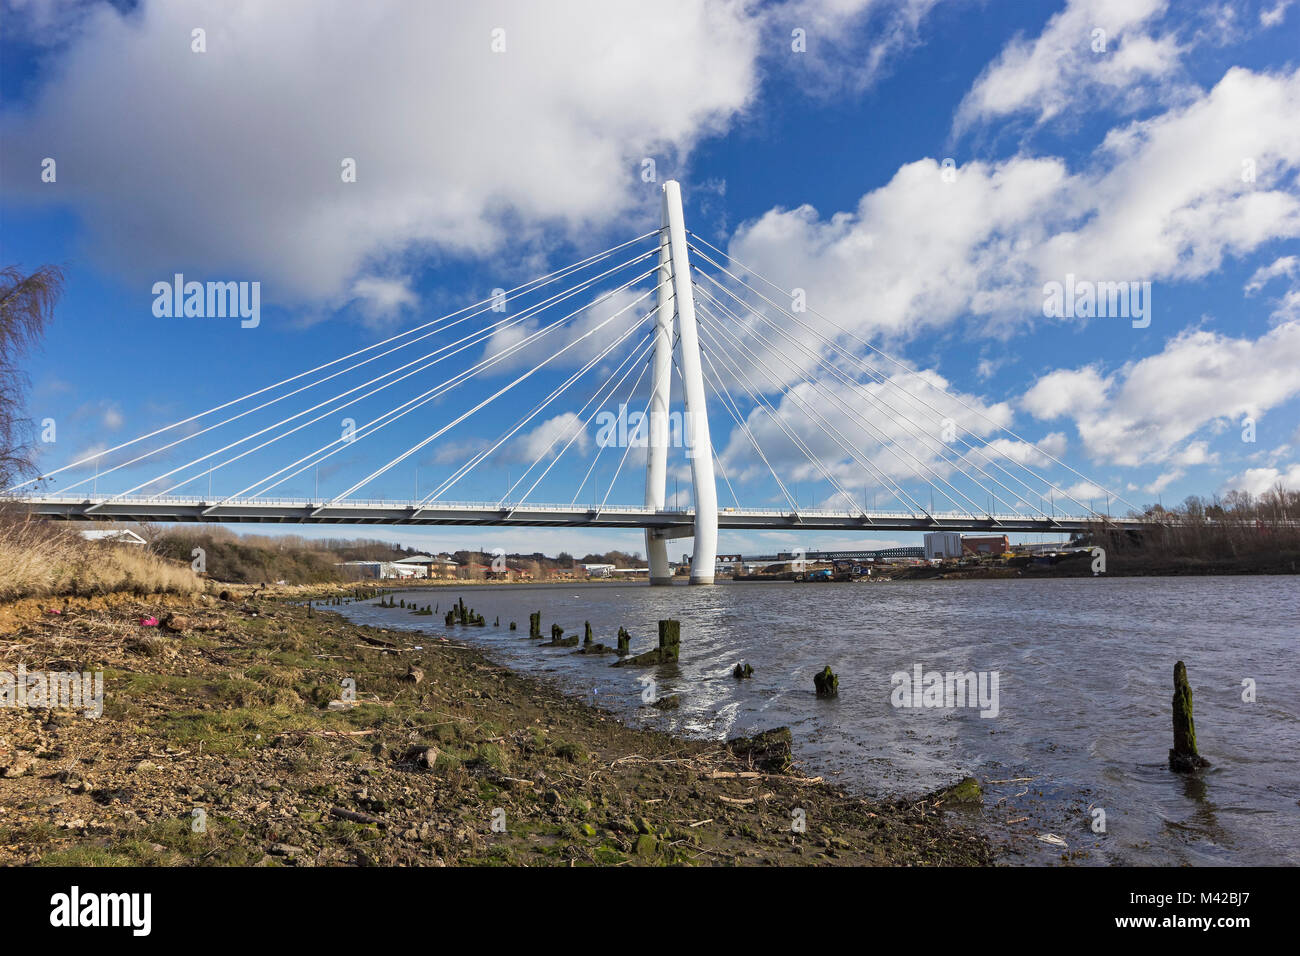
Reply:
x=641 y=353
x=713 y=449
x=715 y=325
x=729 y=404
x=792 y=394
x=483 y=455
x=911 y=371
x=601 y=450
x=521 y=289
x=826 y=427
x=472 y=339
x=437 y=434
x=901 y=418
x=375 y=424
x=858 y=387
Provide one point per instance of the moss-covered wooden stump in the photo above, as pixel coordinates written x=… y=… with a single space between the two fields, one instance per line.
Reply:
x=587 y=639
x=1184 y=758
x=826 y=683
x=742 y=671
x=624 y=642
x=670 y=641
x=535 y=625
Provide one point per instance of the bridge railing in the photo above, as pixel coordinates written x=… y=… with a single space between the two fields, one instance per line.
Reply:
x=686 y=514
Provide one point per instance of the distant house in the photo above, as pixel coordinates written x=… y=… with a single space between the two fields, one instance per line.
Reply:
x=444 y=566
x=598 y=570
x=115 y=536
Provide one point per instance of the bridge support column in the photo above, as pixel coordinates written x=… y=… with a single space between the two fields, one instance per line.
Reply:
x=656 y=471
x=699 y=446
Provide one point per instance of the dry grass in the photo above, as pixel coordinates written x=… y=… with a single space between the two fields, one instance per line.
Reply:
x=38 y=559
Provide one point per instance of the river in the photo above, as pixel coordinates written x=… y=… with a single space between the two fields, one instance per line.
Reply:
x=1083 y=672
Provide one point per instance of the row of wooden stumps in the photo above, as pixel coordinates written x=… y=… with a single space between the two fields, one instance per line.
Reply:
x=668 y=649
x=1183 y=757
x=358 y=595
x=466 y=616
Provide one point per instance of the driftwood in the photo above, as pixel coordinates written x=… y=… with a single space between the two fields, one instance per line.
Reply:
x=355 y=817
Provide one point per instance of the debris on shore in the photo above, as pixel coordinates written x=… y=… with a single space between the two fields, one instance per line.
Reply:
x=218 y=746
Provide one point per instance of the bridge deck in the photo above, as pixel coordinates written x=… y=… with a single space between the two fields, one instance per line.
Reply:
x=674 y=523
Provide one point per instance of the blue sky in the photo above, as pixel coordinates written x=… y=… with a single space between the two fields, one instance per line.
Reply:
x=1111 y=156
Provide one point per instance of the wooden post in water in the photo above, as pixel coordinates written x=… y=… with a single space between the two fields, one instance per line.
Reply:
x=1183 y=758
x=670 y=639
x=827 y=684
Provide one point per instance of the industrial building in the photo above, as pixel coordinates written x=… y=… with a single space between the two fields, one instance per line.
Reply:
x=942 y=544
x=986 y=544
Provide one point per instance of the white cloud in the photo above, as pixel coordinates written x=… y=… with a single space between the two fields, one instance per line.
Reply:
x=1062 y=391
x=1085 y=493
x=875 y=434
x=1146 y=412
x=228 y=162
x=1163 y=481
x=1163 y=199
x=1061 y=68
x=1284 y=266
x=1274 y=15
x=549 y=438
x=384 y=298
x=849 y=43
x=1256 y=481
x=1288 y=306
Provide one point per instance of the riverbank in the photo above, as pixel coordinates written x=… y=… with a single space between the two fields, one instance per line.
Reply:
x=235 y=715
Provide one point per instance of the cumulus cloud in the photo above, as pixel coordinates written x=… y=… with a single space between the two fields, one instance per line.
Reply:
x=384 y=298
x=1272 y=16
x=1162 y=199
x=1093 y=50
x=549 y=438
x=1288 y=266
x=229 y=162
x=1256 y=481
x=911 y=430
x=1146 y=412
x=848 y=44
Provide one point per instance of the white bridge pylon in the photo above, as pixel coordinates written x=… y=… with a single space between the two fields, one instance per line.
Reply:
x=677 y=306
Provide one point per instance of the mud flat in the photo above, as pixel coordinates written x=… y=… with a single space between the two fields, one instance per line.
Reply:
x=252 y=731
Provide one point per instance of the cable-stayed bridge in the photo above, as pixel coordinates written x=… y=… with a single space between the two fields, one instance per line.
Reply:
x=806 y=400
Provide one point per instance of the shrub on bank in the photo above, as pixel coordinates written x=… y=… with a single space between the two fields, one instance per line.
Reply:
x=251 y=560
x=41 y=559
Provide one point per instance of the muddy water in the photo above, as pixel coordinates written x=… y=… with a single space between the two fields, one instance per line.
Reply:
x=1084 y=680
